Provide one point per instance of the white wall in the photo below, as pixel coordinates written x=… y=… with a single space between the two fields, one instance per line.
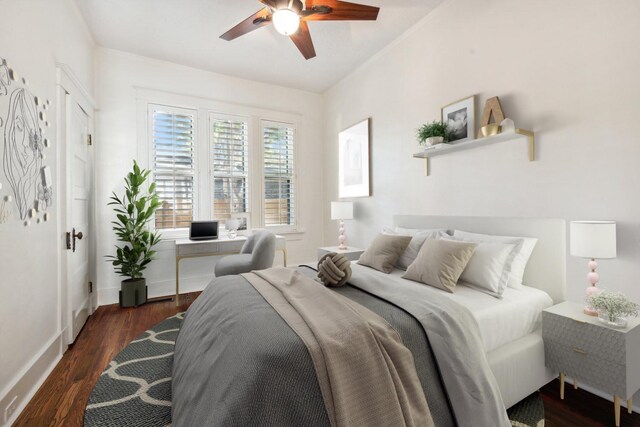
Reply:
x=34 y=35
x=567 y=70
x=119 y=75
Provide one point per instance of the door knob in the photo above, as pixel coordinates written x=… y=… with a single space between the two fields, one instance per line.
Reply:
x=71 y=239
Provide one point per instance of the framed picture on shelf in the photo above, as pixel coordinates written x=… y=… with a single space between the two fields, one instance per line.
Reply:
x=461 y=119
x=353 y=161
x=244 y=223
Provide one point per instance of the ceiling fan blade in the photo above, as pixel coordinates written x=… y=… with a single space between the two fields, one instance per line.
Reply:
x=255 y=21
x=271 y=3
x=341 y=11
x=302 y=39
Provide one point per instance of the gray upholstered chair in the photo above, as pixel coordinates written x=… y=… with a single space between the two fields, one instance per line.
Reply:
x=257 y=253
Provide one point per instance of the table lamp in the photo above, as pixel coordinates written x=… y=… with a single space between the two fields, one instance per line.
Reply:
x=342 y=211
x=593 y=240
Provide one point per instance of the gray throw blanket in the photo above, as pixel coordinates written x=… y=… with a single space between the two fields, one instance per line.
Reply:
x=366 y=375
x=238 y=363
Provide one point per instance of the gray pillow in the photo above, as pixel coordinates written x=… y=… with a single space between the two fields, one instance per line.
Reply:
x=440 y=263
x=384 y=252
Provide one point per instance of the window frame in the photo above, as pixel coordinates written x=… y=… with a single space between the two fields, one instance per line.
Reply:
x=202 y=108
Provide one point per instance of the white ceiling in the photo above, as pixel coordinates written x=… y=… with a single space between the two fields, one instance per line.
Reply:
x=187 y=32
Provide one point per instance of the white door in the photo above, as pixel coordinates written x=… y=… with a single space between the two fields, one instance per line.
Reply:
x=79 y=195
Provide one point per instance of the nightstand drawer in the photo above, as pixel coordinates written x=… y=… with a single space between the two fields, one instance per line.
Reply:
x=586 y=367
x=605 y=343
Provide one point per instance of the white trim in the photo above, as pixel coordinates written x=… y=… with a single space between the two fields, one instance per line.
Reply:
x=72 y=85
x=32 y=376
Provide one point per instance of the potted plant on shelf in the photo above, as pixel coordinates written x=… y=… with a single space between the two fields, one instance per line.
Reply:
x=613 y=308
x=134 y=211
x=433 y=133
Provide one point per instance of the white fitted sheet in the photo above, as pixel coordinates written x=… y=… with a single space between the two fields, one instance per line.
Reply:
x=501 y=321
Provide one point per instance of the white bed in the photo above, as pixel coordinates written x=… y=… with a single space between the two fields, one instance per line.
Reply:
x=510 y=328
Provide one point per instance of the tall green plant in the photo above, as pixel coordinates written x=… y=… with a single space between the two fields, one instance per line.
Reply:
x=134 y=211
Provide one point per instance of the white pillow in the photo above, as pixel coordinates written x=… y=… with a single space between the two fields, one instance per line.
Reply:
x=518 y=263
x=487 y=269
x=418 y=237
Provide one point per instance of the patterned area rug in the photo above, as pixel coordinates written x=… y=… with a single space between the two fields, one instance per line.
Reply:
x=135 y=389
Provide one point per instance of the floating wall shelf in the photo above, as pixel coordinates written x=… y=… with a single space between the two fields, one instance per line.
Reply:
x=441 y=149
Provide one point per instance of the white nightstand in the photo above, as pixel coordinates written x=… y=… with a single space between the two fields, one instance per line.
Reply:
x=582 y=347
x=351 y=252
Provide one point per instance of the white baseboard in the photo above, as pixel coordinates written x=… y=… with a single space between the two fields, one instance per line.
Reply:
x=158 y=289
x=31 y=377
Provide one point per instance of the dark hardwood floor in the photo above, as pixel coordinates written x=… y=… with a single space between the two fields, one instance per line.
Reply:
x=62 y=398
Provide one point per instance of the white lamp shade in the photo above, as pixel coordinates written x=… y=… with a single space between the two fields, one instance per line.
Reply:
x=341 y=210
x=593 y=239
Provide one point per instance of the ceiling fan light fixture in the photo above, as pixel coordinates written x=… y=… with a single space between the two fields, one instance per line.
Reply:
x=286 y=21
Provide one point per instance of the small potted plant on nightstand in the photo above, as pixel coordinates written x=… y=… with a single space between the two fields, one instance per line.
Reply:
x=134 y=211
x=613 y=308
x=433 y=133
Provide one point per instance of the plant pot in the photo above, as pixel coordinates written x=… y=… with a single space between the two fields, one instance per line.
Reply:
x=612 y=321
x=133 y=292
x=433 y=140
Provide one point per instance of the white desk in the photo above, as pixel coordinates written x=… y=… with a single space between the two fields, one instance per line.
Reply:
x=186 y=248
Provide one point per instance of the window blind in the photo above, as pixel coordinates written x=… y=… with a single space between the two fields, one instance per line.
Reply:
x=230 y=146
x=279 y=173
x=173 y=141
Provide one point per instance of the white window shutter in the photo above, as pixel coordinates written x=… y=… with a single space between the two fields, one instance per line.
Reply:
x=173 y=142
x=278 y=142
x=230 y=169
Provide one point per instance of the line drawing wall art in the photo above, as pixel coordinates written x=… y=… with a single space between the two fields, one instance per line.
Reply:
x=22 y=129
x=23 y=146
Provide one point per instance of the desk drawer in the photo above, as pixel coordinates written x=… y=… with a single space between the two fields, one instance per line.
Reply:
x=586 y=367
x=197 y=249
x=606 y=343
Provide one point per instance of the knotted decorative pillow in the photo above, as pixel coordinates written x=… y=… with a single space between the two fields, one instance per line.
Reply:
x=334 y=269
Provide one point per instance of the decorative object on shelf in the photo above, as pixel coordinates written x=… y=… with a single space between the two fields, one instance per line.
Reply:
x=593 y=240
x=613 y=308
x=433 y=133
x=244 y=222
x=492 y=110
x=507 y=126
x=342 y=211
x=23 y=146
x=231 y=225
x=460 y=119
x=134 y=211
x=353 y=161
x=334 y=269
x=489 y=130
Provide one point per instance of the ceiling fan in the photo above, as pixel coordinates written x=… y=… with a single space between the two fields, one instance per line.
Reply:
x=290 y=18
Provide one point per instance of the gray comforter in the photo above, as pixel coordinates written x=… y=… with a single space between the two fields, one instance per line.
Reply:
x=237 y=363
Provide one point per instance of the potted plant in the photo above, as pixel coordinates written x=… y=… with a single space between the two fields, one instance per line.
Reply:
x=134 y=211
x=613 y=307
x=433 y=133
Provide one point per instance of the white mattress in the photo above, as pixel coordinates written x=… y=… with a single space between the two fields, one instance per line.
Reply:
x=501 y=321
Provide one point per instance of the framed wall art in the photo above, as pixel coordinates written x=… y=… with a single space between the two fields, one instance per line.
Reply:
x=353 y=161
x=460 y=118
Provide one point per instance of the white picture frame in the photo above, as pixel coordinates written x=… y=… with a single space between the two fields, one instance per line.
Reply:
x=244 y=222
x=353 y=160
x=460 y=117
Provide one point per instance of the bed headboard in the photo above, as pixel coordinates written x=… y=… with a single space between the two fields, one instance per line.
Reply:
x=546 y=269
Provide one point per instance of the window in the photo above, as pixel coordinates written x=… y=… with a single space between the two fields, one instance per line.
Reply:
x=279 y=173
x=173 y=141
x=230 y=152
